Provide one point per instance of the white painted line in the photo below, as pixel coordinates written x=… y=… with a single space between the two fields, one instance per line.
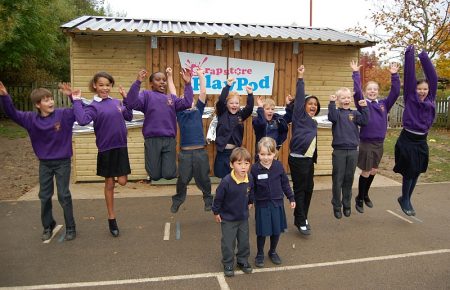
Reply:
x=222 y=283
x=419 y=220
x=55 y=231
x=166 y=232
x=399 y=216
x=220 y=274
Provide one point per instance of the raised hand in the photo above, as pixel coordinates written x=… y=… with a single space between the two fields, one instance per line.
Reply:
x=260 y=101
x=186 y=74
x=301 y=71
x=362 y=103
x=289 y=99
x=122 y=92
x=354 y=65
x=230 y=81
x=200 y=72
x=76 y=94
x=169 y=72
x=3 y=91
x=142 y=75
x=333 y=98
x=394 y=67
x=249 y=89
x=65 y=88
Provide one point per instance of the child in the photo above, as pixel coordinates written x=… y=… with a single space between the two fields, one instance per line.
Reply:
x=109 y=117
x=230 y=209
x=270 y=124
x=160 y=126
x=230 y=126
x=193 y=158
x=345 y=147
x=411 y=149
x=50 y=132
x=270 y=182
x=303 y=152
x=372 y=135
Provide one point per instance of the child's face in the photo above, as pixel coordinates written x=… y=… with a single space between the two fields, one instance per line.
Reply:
x=266 y=157
x=372 y=91
x=268 y=112
x=233 y=105
x=345 y=99
x=46 y=106
x=102 y=87
x=422 y=90
x=240 y=168
x=311 y=107
x=159 y=82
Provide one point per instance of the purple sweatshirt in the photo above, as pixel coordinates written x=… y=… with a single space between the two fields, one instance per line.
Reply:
x=108 y=116
x=159 y=110
x=418 y=116
x=375 y=130
x=51 y=136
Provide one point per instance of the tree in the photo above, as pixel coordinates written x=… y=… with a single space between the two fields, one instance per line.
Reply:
x=371 y=70
x=423 y=23
x=443 y=62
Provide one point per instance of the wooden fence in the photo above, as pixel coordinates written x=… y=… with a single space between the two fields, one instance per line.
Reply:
x=442 y=118
x=20 y=95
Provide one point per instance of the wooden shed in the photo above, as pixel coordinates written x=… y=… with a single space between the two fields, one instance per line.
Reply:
x=122 y=46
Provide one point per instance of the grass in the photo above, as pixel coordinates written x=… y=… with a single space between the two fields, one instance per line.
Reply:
x=10 y=130
x=439 y=162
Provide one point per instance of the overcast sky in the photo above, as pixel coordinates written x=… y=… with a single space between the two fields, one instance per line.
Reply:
x=335 y=14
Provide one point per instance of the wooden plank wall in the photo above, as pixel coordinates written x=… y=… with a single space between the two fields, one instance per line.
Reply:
x=327 y=68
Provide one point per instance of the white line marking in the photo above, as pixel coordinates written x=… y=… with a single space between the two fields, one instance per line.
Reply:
x=399 y=216
x=419 y=220
x=166 y=232
x=222 y=282
x=55 y=231
x=220 y=274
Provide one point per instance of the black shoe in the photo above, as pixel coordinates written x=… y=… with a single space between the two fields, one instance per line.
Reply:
x=304 y=230
x=48 y=232
x=228 y=271
x=347 y=211
x=208 y=207
x=412 y=210
x=174 y=208
x=259 y=261
x=246 y=268
x=308 y=226
x=275 y=258
x=113 y=227
x=359 y=205
x=71 y=234
x=368 y=202
x=337 y=213
x=405 y=210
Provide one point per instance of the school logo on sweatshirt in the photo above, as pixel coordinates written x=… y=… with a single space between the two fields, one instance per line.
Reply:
x=57 y=126
x=119 y=108
x=169 y=101
x=351 y=117
x=239 y=120
x=382 y=108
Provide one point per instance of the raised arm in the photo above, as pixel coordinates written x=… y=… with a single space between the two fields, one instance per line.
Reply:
x=409 y=73
x=170 y=83
x=430 y=74
x=248 y=109
x=332 y=112
x=259 y=122
x=289 y=109
x=201 y=78
x=83 y=115
x=363 y=117
x=186 y=102
x=221 y=105
x=21 y=118
x=358 y=94
x=395 y=86
x=299 y=104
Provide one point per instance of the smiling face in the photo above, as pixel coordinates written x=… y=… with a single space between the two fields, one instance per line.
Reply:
x=233 y=104
x=102 y=87
x=422 y=90
x=311 y=106
x=46 y=106
x=344 y=97
x=266 y=156
x=158 y=82
x=372 y=91
x=268 y=112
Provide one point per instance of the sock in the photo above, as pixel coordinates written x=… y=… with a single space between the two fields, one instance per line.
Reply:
x=369 y=183
x=406 y=188
x=362 y=185
x=411 y=189
x=273 y=243
x=260 y=241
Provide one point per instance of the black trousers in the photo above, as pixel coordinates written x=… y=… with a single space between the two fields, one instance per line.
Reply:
x=302 y=174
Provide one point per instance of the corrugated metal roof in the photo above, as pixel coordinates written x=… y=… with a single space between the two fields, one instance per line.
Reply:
x=114 y=25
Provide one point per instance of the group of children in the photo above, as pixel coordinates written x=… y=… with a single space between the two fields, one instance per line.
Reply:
x=263 y=184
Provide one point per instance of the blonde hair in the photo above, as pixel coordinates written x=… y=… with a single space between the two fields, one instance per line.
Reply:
x=232 y=95
x=268 y=143
x=269 y=103
x=371 y=83
x=341 y=91
x=240 y=154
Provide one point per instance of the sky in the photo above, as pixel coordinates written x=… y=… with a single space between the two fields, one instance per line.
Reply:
x=334 y=14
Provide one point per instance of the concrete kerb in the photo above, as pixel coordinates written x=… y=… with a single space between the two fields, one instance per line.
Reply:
x=94 y=190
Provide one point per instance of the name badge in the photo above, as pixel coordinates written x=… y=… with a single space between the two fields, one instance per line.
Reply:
x=263 y=176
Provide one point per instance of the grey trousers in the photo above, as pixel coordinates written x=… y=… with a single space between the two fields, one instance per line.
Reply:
x=344 y=165
x=160 y=157
x=60 y=169
x=232 y=231
x=193 y=163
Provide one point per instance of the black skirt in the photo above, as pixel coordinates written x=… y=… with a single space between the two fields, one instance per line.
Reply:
x=113 y=163
x=411 y=154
